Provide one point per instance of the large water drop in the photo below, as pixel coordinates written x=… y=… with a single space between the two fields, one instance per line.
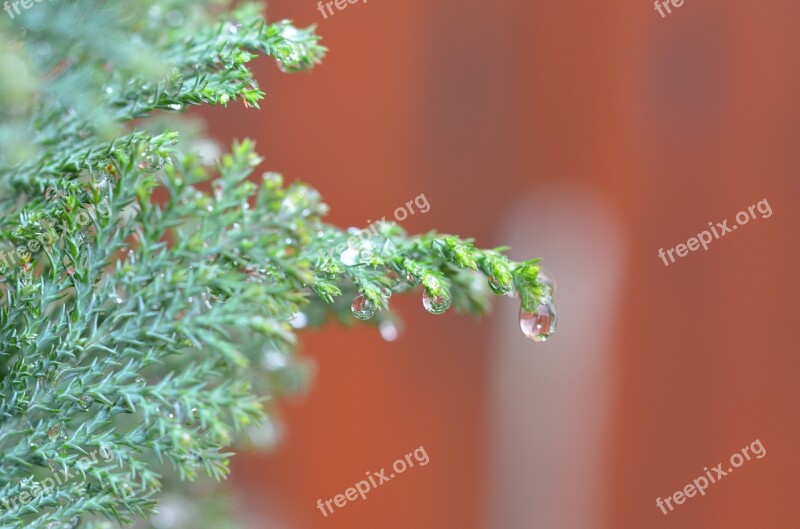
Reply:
x=540 y=324
x=436 y=304
x=362 y=308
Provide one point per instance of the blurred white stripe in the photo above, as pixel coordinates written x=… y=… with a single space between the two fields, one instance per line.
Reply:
x=551 y=403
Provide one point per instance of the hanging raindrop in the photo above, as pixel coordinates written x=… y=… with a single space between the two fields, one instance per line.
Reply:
x=436 y=304
x=540 y=324
x=497 y=287
x=411 y=280
x=362 y=308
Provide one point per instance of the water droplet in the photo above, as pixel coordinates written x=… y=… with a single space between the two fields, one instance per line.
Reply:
x=140 y=381
x=290 y=62
x=362 y=308
x=386 y=292
x=436 y=304
x=57 y=432
x=299 y=320
x=497 y=287
x=389 y=331
x=176 y=106
x=540 y=324
x=118 y=299
x=411 y=280
x=207 y=303
x=131 y=257
x=86 y=401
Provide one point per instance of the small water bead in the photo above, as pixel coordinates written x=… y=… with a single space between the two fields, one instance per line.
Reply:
x=497 y=287
x=386 y=292
x=57 y=433
x=86 y=401
x=412 y=281
x=436 y=304
x=289 y=63
x=206 y=302
x=362 y=308
x=540 y=324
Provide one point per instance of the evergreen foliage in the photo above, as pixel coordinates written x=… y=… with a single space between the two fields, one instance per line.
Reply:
x=149 y=296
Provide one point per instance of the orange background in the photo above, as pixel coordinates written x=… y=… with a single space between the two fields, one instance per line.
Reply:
x=669 y=123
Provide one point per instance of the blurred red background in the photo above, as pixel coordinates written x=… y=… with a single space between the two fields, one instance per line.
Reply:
x=591 y=135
